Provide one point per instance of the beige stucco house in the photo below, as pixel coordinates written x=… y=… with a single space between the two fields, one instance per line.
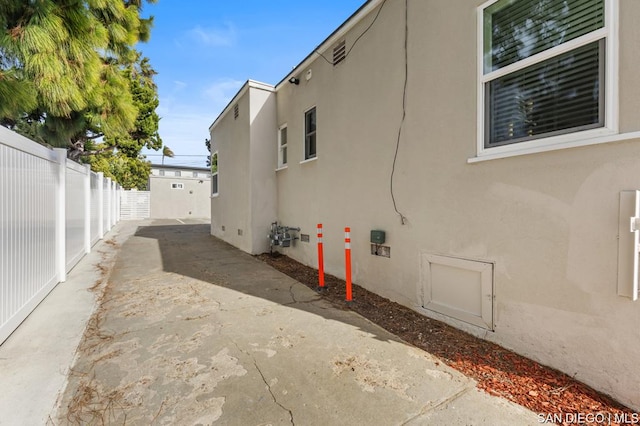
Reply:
x=496 y=143
x=179 y=192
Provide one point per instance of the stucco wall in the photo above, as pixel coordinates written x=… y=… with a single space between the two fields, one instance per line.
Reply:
x=246 y=145
x=548 y=221
x=230 y=209
x=263 y=162
x=192 y=201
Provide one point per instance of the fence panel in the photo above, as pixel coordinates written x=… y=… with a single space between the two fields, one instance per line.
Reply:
x=51 y=212
x=75 y=202
x=135 y=205
x=106 y=204
x=96 y=184
x=28 y=193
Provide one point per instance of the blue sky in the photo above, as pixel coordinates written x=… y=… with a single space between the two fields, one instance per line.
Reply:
x=204 y=50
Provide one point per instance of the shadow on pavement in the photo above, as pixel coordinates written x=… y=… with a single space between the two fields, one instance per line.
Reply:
x=191 y=251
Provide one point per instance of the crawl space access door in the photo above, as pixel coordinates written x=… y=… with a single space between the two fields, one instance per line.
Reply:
x=458 y=288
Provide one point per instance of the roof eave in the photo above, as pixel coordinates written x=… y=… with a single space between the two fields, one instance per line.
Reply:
x=346 y=26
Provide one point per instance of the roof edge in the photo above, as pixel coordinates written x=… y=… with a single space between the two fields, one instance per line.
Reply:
x=173 y=166
x=345 y=27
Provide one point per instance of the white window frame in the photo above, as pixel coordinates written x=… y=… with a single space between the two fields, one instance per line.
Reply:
x=282 y=148
x=215 y=154
x=567 y=140
x=307 y=158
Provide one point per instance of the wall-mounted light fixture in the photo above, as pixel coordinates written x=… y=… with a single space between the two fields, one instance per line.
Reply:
x=294 y=80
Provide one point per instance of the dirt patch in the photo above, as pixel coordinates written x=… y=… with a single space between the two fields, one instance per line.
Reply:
x=497 y=370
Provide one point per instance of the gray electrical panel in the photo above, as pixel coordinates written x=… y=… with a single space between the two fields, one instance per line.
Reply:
x=377 y=237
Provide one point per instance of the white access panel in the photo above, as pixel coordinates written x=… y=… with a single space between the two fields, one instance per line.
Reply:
x=628 y=244
x=458 y=288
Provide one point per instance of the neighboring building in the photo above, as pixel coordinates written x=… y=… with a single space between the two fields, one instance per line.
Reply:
x=179 y=192
x=495 y=143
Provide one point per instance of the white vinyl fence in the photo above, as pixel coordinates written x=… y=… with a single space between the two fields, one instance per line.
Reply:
x=135 y=205
x=52 y=211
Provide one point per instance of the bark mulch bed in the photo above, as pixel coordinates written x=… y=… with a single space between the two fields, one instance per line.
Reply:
x=497 y=370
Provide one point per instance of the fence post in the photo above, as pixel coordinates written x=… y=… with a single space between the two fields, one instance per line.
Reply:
x=61 y=226
x=87 y=209
x=119 y=198
x=107 y=196
x=116 y=200
x=320 y=259
x=111 y=204
x=347 y=261
x=100 y=211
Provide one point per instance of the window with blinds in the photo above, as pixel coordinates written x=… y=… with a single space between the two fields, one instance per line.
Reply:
x=543 y=71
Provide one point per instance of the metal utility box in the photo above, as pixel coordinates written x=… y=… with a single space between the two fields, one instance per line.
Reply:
x=377 y=237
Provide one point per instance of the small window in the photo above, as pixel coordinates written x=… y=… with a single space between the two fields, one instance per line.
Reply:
x=214 y=173
x=282 y=146
x=178 y=173
x=177 y=186
x=161 y=172
x=195 y=174
x=543 y=69
x=310 y=134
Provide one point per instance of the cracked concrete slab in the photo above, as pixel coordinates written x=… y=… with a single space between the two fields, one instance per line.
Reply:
x=192 y=331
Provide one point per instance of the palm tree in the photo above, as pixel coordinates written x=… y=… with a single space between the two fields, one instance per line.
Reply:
x=166 y=152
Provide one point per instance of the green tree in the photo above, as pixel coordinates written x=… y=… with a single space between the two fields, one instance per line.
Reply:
x=129 y=172
x=207 y=143
x=130 y=168
x=71 y=77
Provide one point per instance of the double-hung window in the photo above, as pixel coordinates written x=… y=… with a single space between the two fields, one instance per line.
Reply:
x=545 y=72
x=310 y=134
x=282 y=146
x=214 y=173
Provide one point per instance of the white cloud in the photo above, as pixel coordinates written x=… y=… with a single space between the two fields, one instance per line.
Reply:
x=185 y=121
x=221 y=92
x=214 y=36
x=184 y=130
x=179 y=85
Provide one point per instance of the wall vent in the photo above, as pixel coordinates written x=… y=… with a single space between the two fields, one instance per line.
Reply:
x=236 y=112
x=339 y=53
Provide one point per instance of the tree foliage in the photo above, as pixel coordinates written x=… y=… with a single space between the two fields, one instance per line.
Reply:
x=127 y=171
x=207 y=143
x=70 y=77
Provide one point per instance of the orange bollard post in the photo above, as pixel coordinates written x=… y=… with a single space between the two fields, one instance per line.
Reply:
x=347 y=261
x=320 y=260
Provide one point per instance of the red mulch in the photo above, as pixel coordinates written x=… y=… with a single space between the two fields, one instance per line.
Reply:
x=497 y=370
